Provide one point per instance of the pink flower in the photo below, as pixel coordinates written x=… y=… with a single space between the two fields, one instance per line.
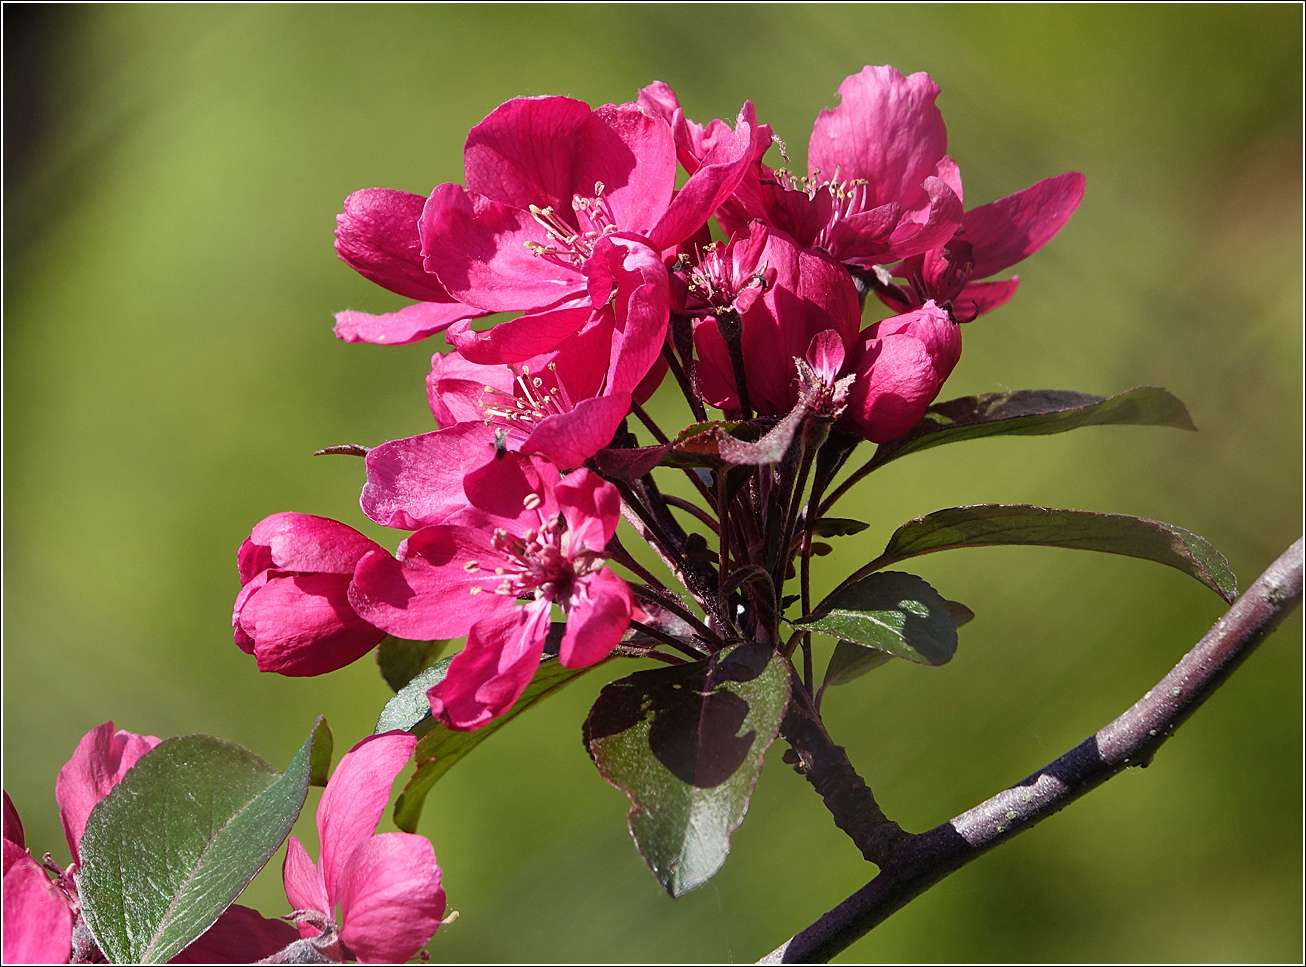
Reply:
x=879 y=185
x=99 y=762
x=376 y=235
x=992 y=237
x=525 y=534
x=379 y=894
x=38 y=916
x=293 y=611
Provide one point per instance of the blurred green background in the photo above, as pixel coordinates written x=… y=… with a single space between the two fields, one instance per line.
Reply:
x=172 y=175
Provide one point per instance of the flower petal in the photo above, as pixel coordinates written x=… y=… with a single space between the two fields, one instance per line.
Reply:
x=302 y=624
x=592 y=507
x=520 y=339
x=99 y=762
x=376 y=235
x=569 y=439
x=486 y=678
x=304 y=542
x=599 y=615
x=1003 y=232
x=303 y=880
x=410 y=324
x=355 y=799
x=419 y=480
x=38 y=924
x=391 y=901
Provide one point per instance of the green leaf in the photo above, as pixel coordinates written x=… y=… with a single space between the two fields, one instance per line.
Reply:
x=409 y=710
x=323 y=744
x=400 y=661
x=850 y=662
x=178 y=839
x=440 y=747
x=1034 y=413
x=838 y=526
x=983 y=525
x=891 y=611
x=685 y=743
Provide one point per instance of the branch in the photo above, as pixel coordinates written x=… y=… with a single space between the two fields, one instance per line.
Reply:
x=1131 y=740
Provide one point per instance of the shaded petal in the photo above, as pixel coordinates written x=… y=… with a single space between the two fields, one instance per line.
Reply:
x=1003 y=232
x=478 y=248
x=38 y=924
x=99 y=762
x=427 y=592
x=598 y=616
x=938 y=222
x=486 y=678
x=240 y=936
x=454 y=387
x=410 y=324
x=513 y=492
x=978 y=298
x=355 y=799
x=419 y=480
x=391 y=901
x=376 y=236
x=304 y=542
x=302 y=624
x=592 y=508
x=13 y=826
x=886 y=130
x=303 y=881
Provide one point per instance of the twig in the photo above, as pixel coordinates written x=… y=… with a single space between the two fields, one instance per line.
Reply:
x=1131 y=740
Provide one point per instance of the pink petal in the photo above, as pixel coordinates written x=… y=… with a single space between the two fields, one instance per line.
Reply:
x=419 y=480
x=826 y=355
x=303 y=882
x=409 y=324
x=569 y=439
x=427 y=594
x=240 y=936
x=13 y=826
x=715 y=180
x=355 y=799
x=38 y=924
x=99 y=762
x=391 y=901
x=524 y=152
x=598 y=616
x=478 y=248
x=887 y=130
x=940 y=219
x=640 y=310
x=302 y=624
x=454 y=387
x=486 y=678
x=1003 y=232
x=633 y=156
x=592 y=507
x=304 y=542
x=520 y=339
x=376 y=236
x=514 y=492
x=901 y=365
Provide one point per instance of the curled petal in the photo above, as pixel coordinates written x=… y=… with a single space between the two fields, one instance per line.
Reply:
x=486 y=678
x=599 y=615
x=354 y=801
x=303 y=624
x=592 y=507
x=376 y=235
x=38 y=924
x=99 y=762
x=304 y=542
x=410 y=324
x=391 y=901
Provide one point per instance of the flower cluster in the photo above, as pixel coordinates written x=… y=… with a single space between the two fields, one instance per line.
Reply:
x=569 y=218
x=386 y=887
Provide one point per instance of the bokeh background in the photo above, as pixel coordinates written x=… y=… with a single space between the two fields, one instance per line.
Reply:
x=171 y=178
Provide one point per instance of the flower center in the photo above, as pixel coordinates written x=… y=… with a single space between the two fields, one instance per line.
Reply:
x=530 y=402
x=571 y=245
x=534 y=561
